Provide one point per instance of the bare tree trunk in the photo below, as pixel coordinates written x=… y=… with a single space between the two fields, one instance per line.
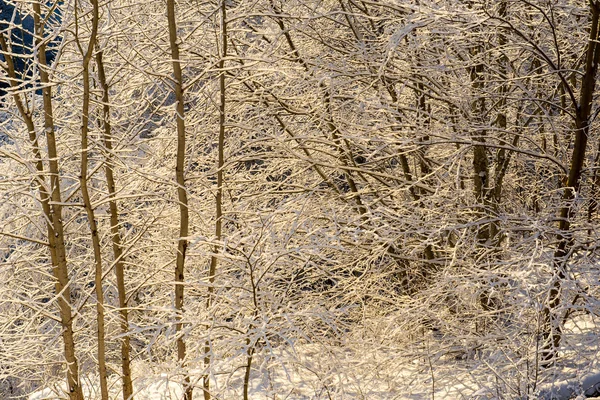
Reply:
x=502 y=157
x=488 y=188
x=248 y=367
x=182 y=242
x=219 y=195
x=552 y=330
x=88 y=205
x=116 y=236
x=54 y=229
x=52 y=206
x=480 y=160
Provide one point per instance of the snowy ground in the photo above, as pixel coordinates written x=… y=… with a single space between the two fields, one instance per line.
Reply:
x=424 y=370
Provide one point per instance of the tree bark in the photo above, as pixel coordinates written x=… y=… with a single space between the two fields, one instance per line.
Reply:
x=54 y=217
x=219 y=195
x=115 y=235
x=54 y=230
x=83 y=178
x=182 y=242
x=551 y=328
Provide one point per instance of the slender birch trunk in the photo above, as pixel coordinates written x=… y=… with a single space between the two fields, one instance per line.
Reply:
x=115 y=235
x=182 y=242
x=50 y=198
x=219 y=195
x=83 y=178
x=54 y=229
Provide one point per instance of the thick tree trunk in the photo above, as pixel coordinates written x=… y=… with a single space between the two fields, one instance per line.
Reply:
x=552 y=331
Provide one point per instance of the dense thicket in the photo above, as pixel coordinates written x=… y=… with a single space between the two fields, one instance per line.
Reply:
x=252 y=191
